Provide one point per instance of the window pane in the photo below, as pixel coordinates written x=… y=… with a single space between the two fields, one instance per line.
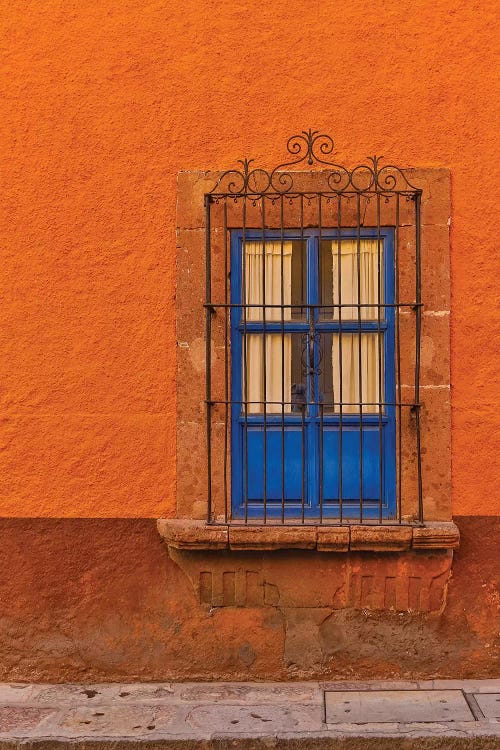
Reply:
x=285 y=386
x=274 y=274
x=341 y=357
x=339 y=281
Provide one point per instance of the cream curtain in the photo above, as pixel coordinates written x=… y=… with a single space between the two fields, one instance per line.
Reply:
x=277 y=347
x=368 y=277
x=354 y=345
x=350 y=371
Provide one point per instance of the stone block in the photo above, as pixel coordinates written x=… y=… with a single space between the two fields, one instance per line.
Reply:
x=306 y=579
x=191 y=468
x=333 y=538
x=400 y=706
x=435 y=266
x=436 y=198
x=434 y=349
x=191 y=189
x=272 y=537
x=436 y=535
x=436 y=452
x=188 y=534
x=381 y=538
x=19 y=719
x=260 y=719
x=489 y=703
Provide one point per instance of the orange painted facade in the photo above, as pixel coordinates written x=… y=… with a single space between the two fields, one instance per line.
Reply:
x=104 y=104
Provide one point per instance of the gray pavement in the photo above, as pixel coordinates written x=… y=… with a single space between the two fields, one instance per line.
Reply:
x=429 y=714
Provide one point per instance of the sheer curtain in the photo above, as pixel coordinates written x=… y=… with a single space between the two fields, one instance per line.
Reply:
x=352 y=344
x=278 y=277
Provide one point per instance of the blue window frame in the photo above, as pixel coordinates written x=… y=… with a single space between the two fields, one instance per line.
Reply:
x=308 y=461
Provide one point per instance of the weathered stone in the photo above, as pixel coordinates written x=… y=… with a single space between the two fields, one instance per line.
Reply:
x=56 y=696
x=188 y=534
x=122 y=720
x=402 y=706
x=251 y=692
x=307 y=578
x=434 y=349
x=436 y=535
x=333 y=538
x=272 y=537
x=489 y=703
x=303 y=649
x=21 y=718
x=191 y=188
x=381 y=538
x=258 y=719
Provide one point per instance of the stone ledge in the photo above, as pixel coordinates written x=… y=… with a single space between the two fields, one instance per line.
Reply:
x=381 y=538
x=183 y=533
x=436 y=535
x=272 y=537
x=190 y=534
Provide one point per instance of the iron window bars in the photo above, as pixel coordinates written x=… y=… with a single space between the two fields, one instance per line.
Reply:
x=254 y=447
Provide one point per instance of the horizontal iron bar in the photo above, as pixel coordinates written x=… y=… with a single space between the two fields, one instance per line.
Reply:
x=212 y=197
x=323 y=403
x=315 y=306
x=324 y=326
x=314 y=522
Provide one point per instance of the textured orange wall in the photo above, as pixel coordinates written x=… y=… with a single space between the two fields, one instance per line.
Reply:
x=105 y=103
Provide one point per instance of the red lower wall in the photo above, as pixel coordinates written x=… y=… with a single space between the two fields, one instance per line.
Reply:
x=99 y=599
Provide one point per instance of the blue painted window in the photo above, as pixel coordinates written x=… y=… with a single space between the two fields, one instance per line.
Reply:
x=312 y=375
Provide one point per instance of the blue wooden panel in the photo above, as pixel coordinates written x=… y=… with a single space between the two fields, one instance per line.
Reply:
x=292 y=444
x=351 y=463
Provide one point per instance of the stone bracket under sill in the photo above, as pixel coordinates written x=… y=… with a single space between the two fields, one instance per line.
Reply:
x=187 y=534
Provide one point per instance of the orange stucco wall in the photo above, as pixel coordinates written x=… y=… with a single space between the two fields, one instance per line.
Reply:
x=105 y=103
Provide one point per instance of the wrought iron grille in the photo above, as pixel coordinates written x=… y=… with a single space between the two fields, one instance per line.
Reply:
x=313 y=382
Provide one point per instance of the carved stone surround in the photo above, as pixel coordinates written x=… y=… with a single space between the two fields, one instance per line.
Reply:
x=382 y=567
x=184 y=534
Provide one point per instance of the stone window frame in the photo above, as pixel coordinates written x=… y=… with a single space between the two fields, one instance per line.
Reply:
x=189 y=529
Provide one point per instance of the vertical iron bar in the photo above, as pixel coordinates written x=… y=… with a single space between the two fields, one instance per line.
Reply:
x=303 y=410
x=398 y=359
x=360 y=370
x=379 y=364
x=321 y=458
x=245 y=356
x=226 y=360
x=208 y=363
x=341 y=395
x=303 y=264
x=282 y=290
x=264 y=301
x=418 y=325
x=317 y=360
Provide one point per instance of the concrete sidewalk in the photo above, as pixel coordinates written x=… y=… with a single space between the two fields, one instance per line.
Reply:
x=345 y=716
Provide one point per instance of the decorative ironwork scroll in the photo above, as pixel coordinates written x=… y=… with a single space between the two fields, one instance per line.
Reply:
x=310 y=148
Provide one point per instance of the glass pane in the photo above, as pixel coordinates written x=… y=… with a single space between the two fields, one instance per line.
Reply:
x=348 y=277
x=274 y=275
x=341 y=364
x=285 y=382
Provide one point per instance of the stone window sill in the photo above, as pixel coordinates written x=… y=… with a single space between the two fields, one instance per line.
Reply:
x=187 y=534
